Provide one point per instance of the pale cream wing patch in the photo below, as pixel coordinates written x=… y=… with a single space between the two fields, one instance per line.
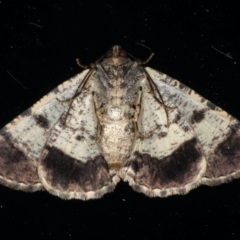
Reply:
x=166 y=157
x=152 y=115
x=72 y=164
x=217 y=131
x=23 y=139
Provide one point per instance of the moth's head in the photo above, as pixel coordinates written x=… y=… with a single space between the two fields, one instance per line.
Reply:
x=116 y=54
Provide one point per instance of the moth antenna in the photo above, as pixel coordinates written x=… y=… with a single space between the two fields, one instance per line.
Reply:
x=81 y=65
x=140 y=61
x=148 y=59
x=143 y=45
x=90 y=65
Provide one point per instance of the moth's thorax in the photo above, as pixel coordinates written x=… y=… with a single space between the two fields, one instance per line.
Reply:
x=113 y=81
x=115 y=113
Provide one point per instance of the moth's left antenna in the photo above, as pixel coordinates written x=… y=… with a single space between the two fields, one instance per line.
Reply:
x=88 y=66
x=81 y=65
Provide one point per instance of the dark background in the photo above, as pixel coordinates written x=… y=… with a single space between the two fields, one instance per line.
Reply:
x=197 y=42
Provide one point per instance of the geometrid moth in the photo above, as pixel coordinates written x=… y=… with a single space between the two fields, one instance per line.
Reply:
x=119 y=120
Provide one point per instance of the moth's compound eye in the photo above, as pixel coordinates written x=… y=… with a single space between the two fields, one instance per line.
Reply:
x=122 y=53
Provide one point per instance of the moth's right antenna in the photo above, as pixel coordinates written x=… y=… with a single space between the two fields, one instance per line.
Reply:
x=140 y=61
x=148 y=59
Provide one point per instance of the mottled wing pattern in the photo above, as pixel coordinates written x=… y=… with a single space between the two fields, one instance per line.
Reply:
x=72 y=164
x=22 y=140
x=167 y=157
x=216 y=130
x=119 y=120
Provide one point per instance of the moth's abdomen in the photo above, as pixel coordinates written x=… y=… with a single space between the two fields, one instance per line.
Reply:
x=115 y=113
x=117 y=135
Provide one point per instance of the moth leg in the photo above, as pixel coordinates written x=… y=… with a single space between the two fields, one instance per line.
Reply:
x=137 y=113
x=136 y=117
x=144 y=136
x=147 y=60
x=157 y=95
x=99 y=109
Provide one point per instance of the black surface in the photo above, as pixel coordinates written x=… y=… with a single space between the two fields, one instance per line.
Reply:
x=194 y=41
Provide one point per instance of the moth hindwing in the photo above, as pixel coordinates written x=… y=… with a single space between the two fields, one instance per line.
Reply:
x=119 y=120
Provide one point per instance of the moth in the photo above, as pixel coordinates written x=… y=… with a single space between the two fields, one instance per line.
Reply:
x=117 y=121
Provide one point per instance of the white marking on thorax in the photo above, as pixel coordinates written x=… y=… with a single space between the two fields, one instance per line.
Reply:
x=115 y=113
